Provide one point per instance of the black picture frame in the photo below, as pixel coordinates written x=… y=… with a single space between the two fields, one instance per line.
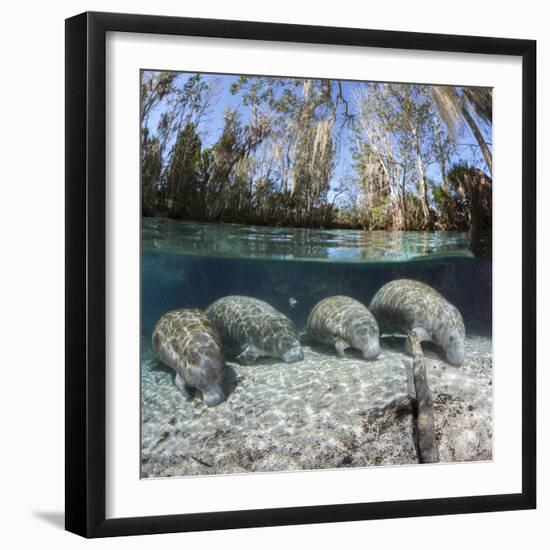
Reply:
x=86 y=272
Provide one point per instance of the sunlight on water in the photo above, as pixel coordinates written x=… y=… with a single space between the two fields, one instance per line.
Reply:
x=245 y=241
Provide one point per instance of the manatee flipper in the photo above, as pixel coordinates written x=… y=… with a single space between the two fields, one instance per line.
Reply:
x=341 y=347
x=422 y=336
x=182 y=387
x=249 y=355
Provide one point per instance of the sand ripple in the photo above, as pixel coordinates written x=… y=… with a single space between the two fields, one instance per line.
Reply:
x=323 y=412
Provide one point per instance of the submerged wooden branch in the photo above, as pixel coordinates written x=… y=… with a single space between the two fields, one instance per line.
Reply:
x=425 y=430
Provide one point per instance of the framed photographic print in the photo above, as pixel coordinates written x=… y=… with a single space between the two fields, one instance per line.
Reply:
x=300 y=274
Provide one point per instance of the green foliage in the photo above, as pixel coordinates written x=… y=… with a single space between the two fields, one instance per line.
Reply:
x=151 y=166
x=154 y=88
x=181 y=177
x=472 y=196
x=467 y=203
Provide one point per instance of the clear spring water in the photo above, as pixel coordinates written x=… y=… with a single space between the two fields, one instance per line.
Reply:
x=322 y=412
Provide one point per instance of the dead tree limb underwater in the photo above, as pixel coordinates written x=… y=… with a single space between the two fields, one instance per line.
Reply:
x=425 y=430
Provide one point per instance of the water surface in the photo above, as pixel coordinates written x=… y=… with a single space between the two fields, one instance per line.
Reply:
x=283 y=243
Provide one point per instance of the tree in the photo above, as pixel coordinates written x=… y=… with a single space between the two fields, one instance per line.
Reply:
x=181 y=179
x=314 y=149
x=155 y=86
x=235 y=144
x=459 y=106
x=279 y=151
x=412 y=122
x=151 y=165
x=474 y=190
x=301 y=138
x=390 y=148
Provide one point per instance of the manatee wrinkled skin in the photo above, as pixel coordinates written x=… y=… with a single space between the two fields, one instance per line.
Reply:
x=345 y=323
x=404 y=304
x=187 y=341
x=254 y=329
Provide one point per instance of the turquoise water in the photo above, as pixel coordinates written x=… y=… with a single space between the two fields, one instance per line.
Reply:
x=283 y=243
x=189 y=264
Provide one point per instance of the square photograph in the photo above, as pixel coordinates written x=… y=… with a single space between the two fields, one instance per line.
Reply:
x=316 y=273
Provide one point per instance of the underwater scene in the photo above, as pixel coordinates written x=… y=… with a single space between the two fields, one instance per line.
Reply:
x=323 y=410
x=316 y=274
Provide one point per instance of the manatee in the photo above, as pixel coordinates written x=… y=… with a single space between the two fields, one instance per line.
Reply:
x=253 y=328
x=345 y=323
x=404 y=304
x=187 y=341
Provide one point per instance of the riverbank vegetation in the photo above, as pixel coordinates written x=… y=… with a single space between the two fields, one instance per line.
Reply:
x=315 y=153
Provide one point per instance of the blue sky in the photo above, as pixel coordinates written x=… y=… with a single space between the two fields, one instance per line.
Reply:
x=211 y=129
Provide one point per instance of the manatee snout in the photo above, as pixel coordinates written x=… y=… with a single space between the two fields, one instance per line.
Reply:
x=366 y=338
x=210 y=373
x=455 y=354
x=288 y=348
x=293 y=355
x=452 y=341
x=372 y=350
x=213 y=396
